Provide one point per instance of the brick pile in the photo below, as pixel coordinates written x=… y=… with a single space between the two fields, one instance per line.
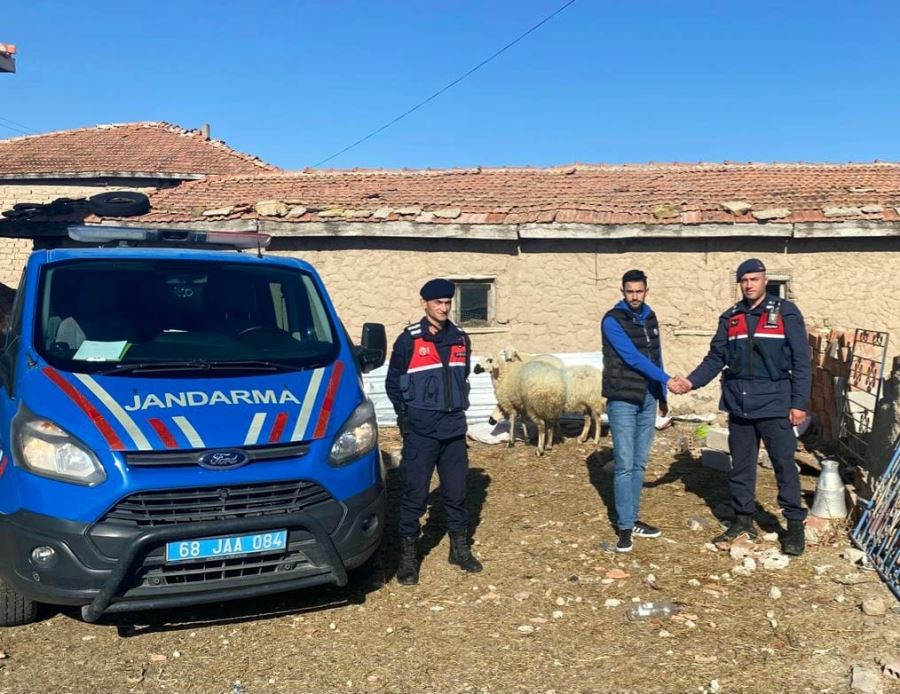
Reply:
x=830 y=360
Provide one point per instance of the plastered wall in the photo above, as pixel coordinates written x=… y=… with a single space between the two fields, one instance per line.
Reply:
x=550 y=296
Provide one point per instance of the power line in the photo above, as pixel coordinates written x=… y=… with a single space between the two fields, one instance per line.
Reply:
x=18 y=131
x=21 y=125
x=17 y=127
x=443 y=89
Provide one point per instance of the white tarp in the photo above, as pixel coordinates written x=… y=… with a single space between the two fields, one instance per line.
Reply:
x=481 y=395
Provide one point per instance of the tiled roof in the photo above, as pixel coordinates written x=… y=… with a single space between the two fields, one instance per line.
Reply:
x=599 y=195
x=126 y=148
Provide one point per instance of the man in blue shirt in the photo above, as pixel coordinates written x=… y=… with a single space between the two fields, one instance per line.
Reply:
x=634 y=385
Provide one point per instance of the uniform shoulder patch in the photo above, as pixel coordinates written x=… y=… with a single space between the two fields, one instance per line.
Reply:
x=414 y=329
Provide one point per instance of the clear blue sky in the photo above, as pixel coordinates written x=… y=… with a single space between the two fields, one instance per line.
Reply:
x=618 y=81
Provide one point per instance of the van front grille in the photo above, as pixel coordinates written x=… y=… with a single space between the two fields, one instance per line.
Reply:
x=167 y=507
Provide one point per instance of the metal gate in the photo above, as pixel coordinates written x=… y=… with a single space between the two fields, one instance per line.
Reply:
x=878 y=531
x=862 y=391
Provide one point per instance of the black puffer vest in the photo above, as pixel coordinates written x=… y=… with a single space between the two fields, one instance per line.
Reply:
x=620 y=381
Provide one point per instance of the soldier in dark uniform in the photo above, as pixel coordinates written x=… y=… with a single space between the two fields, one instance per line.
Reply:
x=761 y=344
x=427 y=382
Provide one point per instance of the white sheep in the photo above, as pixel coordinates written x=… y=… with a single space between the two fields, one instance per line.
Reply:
x=541 y=396
x=502 y=367
x=584 y=388
x=512 y=354
x=535 y=390
x=504 y=377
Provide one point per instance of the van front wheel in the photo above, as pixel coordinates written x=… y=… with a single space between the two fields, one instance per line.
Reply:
x=15 y=608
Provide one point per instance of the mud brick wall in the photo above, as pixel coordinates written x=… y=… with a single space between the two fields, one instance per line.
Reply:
x=830 y=360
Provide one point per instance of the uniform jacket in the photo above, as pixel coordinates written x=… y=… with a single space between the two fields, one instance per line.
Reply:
x=764 y=358
x=427 y=379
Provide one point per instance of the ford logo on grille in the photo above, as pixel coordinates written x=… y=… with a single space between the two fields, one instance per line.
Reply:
x=226 y=459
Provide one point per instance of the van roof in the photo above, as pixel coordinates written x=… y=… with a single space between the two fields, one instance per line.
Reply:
x=116 y=253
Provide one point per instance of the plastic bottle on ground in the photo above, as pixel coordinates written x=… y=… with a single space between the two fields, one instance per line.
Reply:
x=660 y=609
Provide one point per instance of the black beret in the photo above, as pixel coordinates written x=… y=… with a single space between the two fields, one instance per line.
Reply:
x=750 y=265
x=437 y=289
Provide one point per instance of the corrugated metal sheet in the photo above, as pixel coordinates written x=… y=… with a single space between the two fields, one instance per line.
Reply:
x=481 y=395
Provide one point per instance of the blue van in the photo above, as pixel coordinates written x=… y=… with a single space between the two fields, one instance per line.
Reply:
x=180 y=424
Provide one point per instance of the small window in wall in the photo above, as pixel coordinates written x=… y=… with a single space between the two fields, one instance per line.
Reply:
x=472 y=305
x=779 y=285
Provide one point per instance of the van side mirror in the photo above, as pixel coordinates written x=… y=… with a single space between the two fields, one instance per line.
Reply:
x=373 y=347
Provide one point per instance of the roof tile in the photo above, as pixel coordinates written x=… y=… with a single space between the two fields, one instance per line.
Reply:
x=128 y=148
x=592 y=195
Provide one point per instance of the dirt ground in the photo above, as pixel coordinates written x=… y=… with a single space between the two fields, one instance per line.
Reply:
x=536 y=620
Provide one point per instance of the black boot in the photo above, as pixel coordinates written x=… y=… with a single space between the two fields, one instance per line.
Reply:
x=460 y=554
x=743 y=523
x=794 y=540
x=408 y=571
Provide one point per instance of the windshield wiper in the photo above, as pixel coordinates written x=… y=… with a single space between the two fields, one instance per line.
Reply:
x=261 y=364
x=198 y=365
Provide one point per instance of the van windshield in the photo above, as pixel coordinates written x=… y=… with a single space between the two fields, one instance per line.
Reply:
x=130 y=316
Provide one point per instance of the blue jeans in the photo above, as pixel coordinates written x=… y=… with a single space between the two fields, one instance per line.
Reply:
x=632 y=427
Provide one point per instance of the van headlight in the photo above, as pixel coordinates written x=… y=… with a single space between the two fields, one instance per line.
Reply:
x=45 y=449
x=358 y=436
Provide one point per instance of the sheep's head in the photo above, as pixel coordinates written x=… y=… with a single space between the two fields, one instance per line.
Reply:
x=495 y=366
x=509 y=353
x=488 y=365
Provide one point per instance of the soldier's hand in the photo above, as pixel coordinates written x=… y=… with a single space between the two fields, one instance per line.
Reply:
x=797 y=417
x=679 y=385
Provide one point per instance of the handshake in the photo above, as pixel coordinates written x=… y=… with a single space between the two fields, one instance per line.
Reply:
x=679 y=385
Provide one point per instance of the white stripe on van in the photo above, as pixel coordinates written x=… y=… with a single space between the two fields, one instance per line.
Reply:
x=189 y=432
x=312 y=390
x=255 y=427
x=116 y=410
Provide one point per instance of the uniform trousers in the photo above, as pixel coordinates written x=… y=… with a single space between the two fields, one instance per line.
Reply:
x=743 y=439
x=421 y=454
